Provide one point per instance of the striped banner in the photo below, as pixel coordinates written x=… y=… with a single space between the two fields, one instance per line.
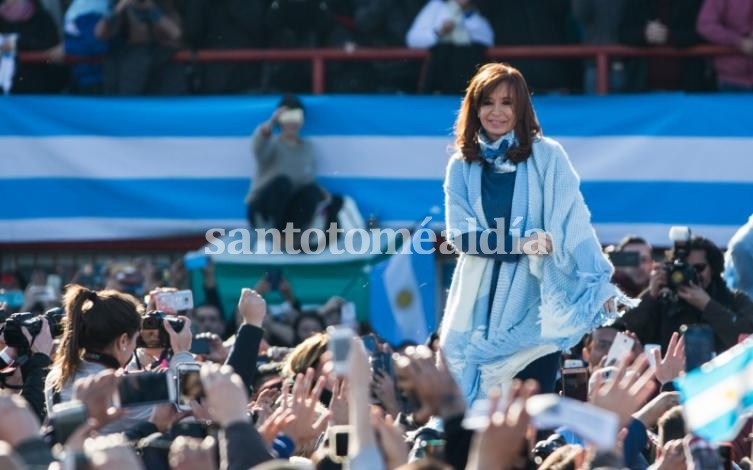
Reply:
x=101 y=169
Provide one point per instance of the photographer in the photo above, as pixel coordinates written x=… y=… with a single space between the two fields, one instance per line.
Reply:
x=144 y=36
x=705 y=300
x=100 y=332
x=32 y=360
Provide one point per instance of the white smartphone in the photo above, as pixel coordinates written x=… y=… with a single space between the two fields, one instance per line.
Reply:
x=174 y=302
x=649 y=350
x=595 y=425
x=188 y=384
x=144 y=388
x=340 y=338
x=621 y=347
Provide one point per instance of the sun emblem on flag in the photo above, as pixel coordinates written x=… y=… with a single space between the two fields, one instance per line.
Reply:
x=404 y=298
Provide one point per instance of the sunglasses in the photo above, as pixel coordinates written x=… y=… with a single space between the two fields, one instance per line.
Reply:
x=700 y=267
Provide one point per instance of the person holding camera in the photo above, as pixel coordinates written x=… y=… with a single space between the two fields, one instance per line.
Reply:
x=27 y=364
x=100 y=332
x=284 y=189
x=705 y=299
x=144 y=36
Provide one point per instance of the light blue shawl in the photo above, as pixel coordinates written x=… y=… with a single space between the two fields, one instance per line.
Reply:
x=542 y=304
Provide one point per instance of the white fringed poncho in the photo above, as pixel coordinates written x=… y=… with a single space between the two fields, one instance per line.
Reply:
x=542 y=303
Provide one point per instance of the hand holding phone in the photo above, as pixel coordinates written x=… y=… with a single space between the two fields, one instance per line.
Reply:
x=144 y=388
x=575 y=382
x=621 y=347
x=189 y=385
x=174 y=302
x=274 y=276
x=340 y=338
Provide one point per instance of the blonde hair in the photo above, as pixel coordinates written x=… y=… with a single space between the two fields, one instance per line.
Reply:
x=305 y=355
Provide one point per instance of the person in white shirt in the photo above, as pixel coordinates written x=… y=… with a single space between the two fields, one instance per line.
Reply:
x=457 y=35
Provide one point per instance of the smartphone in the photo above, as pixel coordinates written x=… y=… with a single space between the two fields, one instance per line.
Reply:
x=649 y=350
x=575 y=383
x=200 y=346
x=189 y=385
x=339 y=439
x=381 y=362
x=621 y=347
x=625 y=259
x=66 y=418
x=144 y=388
x=274 y=276
x=174 y=302
x=340 y=338
x=700 y=346
x=593 y=424
x=370 y=343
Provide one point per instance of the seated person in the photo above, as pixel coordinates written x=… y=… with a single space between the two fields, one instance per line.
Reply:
x=283 y=190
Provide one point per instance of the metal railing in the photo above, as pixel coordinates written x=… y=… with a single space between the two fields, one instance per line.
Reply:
x=319 y=57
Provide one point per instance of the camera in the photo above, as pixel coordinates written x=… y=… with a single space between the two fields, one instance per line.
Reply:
x=12 y=329
x=679 y=272
x=545 y=448
x=153 y=333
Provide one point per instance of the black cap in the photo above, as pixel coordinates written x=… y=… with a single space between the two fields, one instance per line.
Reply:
x=291 y=101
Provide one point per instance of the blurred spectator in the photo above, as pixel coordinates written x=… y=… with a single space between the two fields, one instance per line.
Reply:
x=457 y=35
x=224 y=24
x=634 y=279
x=647 y=23
x=294 y=24
x=36 y=32
x=709 y=301
x=738 y=263
x=55 y=8
x=306 y=325
x=80 y=39
x=536 y=22
x=385 y=23
x=345 y=76
x=283 y=189
x=208 y=319
x=599 y=23
x=144 y=35
x=729 y=23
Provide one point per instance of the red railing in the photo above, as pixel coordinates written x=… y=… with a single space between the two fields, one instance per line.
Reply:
x=318 y=57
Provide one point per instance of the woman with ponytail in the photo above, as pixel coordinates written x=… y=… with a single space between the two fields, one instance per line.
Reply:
x=100 y=331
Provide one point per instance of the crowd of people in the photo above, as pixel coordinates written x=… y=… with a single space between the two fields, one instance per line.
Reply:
x=273 y=397
x=138 y=39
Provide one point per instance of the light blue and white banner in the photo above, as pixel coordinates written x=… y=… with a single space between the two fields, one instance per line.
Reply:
x=99 y=169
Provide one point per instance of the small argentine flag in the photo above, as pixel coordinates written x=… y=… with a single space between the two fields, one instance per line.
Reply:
x=717 y=396
x=402 y=294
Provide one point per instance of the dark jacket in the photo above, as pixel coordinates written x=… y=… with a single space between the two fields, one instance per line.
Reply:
x=681 y=22
x=245 y=353
x=241 y=447
x=224 y=24
x=34 y=372
x=536 y=22
x=729 y=313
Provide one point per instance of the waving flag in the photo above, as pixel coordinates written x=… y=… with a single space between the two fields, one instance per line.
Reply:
x=717 y=396
x=402 y=295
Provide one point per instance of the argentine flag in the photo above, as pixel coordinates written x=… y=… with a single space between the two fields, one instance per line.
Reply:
x=717 y=396
x=402 y=293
